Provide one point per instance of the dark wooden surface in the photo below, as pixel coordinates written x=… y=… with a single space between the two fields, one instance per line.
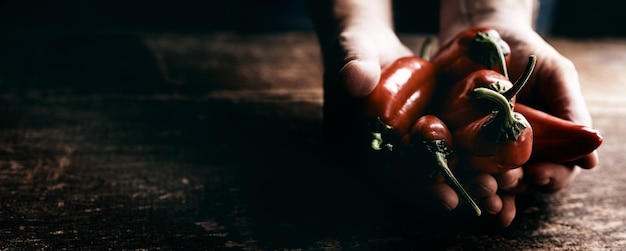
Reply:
x=212 y=142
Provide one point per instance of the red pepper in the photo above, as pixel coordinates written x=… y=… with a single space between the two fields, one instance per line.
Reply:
x=460 y=107
x=471 y=50
x=496 y=138
x=402 y=94
x=430 y=132
x=558 y=140
x=498 y=142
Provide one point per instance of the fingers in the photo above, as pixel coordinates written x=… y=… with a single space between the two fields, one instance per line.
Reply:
x=484 y=188
x=445 y=195
x=363 y=49
x=490 y=192
x=549 y=177
x=510 y=181
x=507 y=214
x=486 y=164
x=589 y=161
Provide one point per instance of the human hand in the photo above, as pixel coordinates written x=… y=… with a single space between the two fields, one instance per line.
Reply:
x=363 y=62
x=554 y=87
x=354 y=55
x=361 y=50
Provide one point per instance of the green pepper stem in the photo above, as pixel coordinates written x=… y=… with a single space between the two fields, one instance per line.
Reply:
x=379 y=134
x=426 y=48
x=522 y=80
x=484 y=38
x=509 y=125
x=442 y=165
x=502 y=59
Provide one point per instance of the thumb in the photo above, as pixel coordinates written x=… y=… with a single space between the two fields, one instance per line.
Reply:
x=360 y=77
x=365 y=52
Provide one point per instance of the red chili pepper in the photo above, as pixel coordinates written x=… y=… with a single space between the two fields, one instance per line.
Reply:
x=402 y=94
x=498 y=142
x=432 y=133
x=558 y=140
x=471 y=50
x=460 y=107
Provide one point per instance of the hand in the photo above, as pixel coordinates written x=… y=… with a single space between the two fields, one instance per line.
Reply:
x=554 y=87
x=357 y=40
x=352 y=62
x=364 y=48
x=483 y=188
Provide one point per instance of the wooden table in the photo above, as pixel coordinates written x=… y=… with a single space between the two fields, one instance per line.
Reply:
x=205 y=142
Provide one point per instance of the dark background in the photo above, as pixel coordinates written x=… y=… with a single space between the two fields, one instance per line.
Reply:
x=573 y=18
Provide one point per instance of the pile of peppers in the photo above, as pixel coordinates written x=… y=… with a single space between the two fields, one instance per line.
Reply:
x=458 y=108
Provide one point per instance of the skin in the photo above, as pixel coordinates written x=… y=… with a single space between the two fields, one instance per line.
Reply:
x=554 y=86
x=357 y=40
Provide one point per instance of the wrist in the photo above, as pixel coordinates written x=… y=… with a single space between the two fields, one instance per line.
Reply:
x=502 y=15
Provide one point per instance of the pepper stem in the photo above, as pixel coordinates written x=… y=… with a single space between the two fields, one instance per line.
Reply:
x=426 y=48
x=523 y=79
x=442 y=165
x=507 y=122
x=488 y=59
x=379 y=132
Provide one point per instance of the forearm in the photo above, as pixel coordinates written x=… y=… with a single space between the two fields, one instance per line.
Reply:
x=331 y=17
x=457 y=15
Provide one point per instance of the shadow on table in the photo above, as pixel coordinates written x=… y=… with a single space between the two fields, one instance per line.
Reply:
x=286 y=194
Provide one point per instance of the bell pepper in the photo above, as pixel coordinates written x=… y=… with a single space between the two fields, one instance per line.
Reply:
x=498 y=142
x=471 y=50
x=433 y=136
x=558 y=140
x=402 y=95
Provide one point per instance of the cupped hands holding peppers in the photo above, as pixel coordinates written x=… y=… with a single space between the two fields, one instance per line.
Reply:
x=366 y=79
